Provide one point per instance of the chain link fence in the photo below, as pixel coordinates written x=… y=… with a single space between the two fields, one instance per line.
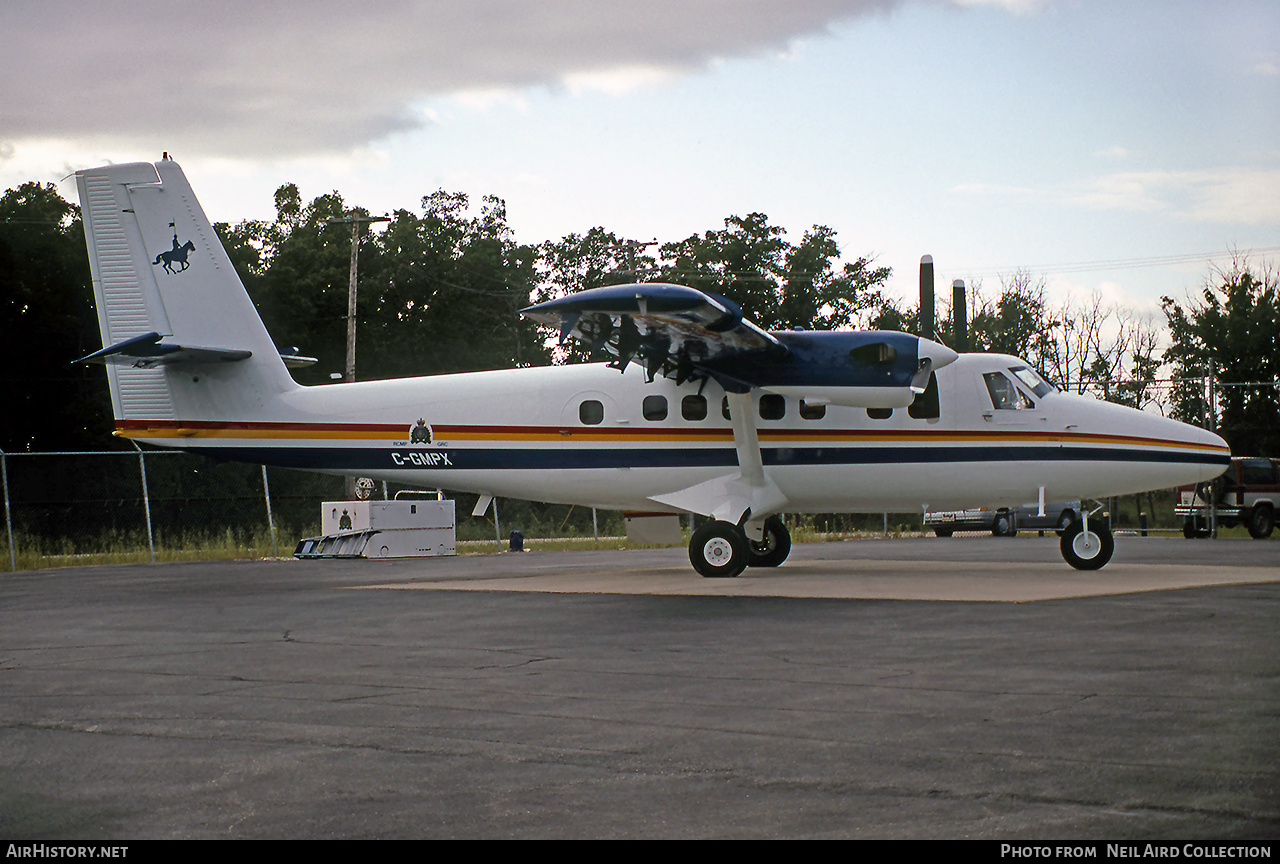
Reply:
x=90 y=507
x=65 y=508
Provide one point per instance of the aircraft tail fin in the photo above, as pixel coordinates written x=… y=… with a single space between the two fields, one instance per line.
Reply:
x=182 y=340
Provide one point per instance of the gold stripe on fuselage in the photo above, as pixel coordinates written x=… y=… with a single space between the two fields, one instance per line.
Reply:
x=302 y=432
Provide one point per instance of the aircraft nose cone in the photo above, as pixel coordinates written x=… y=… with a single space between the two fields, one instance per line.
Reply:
x=1199 y=450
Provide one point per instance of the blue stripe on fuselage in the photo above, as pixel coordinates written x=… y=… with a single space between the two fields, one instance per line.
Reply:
x=514 y=458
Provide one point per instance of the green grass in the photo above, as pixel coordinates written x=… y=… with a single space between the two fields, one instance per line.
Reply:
x=34 y=553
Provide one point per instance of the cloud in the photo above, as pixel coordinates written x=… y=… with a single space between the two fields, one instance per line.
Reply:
x=1229 y=196
x=277 y=78
x=1267 y=68
x=1021 y=7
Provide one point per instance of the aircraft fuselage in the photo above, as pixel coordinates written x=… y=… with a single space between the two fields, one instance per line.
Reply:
x=525 y=433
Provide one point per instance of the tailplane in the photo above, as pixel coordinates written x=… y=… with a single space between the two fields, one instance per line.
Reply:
x=181 y=338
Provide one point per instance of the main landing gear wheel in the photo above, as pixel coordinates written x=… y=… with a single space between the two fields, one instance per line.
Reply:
x=773 y=549
x=719 y=550
x=1087 y=550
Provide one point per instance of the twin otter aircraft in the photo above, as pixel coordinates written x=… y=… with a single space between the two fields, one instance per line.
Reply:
x=699 y=412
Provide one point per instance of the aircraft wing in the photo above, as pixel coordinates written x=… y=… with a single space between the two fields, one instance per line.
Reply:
x=670 y=329
x=687 y=334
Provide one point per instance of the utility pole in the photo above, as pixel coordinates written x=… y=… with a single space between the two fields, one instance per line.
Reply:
x=1213 y=427
x=355 y=222
x=632 y=246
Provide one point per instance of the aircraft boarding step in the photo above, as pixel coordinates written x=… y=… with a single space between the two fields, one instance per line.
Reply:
x=351 y=545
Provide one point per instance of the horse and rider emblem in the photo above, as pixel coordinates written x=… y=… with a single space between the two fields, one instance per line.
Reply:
x=175 y=256
x=421 y=433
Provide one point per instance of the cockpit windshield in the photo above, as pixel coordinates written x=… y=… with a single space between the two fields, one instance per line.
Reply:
x=1027 y=376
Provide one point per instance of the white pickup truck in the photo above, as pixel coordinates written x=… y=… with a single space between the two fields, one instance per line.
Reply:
x=1248 y=494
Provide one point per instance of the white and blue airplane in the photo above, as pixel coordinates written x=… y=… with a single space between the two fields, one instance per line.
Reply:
x=700 y=411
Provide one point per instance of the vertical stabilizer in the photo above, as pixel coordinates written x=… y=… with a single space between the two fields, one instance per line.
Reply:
x=159 y=268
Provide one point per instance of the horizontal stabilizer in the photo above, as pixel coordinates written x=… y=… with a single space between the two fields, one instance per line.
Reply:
x=293 y=360
x=147 y=351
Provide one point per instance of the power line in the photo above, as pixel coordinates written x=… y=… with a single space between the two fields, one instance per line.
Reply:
x=1119 y=263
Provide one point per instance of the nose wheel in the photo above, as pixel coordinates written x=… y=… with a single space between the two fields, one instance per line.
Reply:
x=1087 y=548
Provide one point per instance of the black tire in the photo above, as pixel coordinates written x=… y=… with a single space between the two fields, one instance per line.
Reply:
x=773 y=549
x=718 y=550
x=1065 y=518
x=943 y=532
x=1261 y=521
x=1196 y=528
x=1003 y=526
x=1090 y=552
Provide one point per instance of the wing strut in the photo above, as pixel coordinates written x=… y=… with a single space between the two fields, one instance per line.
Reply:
x=747 y=497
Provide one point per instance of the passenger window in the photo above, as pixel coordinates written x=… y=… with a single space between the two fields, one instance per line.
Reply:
x=724 y=408
x=693 y=407
x=925 y=405
x=1004 y=395
x=879 y=413
x=772 y=406
x=812 y=412
x=591 y=412
x=654 y=408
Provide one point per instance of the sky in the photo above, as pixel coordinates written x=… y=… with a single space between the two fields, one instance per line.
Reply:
x=1117 y=149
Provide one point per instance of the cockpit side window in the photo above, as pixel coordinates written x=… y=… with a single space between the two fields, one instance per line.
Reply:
x=1005 y=396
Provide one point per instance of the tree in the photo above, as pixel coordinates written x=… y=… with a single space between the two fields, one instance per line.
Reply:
x=1235 y=330
x=302 y=294
x=446 y=289
x=578 y=262
x=438 y=292
x=48 y=320
x=777 y=284
x=1015 y=322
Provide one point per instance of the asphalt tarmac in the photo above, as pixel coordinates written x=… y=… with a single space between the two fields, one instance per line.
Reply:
x=926 y=688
